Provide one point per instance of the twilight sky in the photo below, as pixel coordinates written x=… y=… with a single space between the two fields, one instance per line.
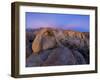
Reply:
x=64 y=21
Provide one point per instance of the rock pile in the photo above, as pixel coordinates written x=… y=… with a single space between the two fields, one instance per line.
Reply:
x=51 y=47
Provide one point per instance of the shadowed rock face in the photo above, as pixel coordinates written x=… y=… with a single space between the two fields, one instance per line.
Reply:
x=50 y=47
x=60 y=56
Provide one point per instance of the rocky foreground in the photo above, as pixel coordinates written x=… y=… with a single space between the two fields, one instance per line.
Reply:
x=51 y=47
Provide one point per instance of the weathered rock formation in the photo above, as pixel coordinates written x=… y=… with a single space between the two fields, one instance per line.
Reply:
x=49 y=47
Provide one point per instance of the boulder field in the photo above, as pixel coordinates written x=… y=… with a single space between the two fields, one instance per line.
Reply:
x=51 y=47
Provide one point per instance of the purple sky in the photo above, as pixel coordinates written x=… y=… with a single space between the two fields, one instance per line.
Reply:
x=64 y=21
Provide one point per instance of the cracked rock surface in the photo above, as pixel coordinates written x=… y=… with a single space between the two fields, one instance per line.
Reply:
x=51 y=47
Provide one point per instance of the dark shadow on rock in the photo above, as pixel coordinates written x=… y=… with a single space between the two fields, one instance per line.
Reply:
x=60 y=56
x=58 y=50
x=79 y=57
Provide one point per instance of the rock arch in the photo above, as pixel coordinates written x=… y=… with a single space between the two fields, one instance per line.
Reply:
x=55 y=37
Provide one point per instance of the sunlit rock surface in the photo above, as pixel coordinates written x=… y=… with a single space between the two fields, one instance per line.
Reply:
x=51 y=47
